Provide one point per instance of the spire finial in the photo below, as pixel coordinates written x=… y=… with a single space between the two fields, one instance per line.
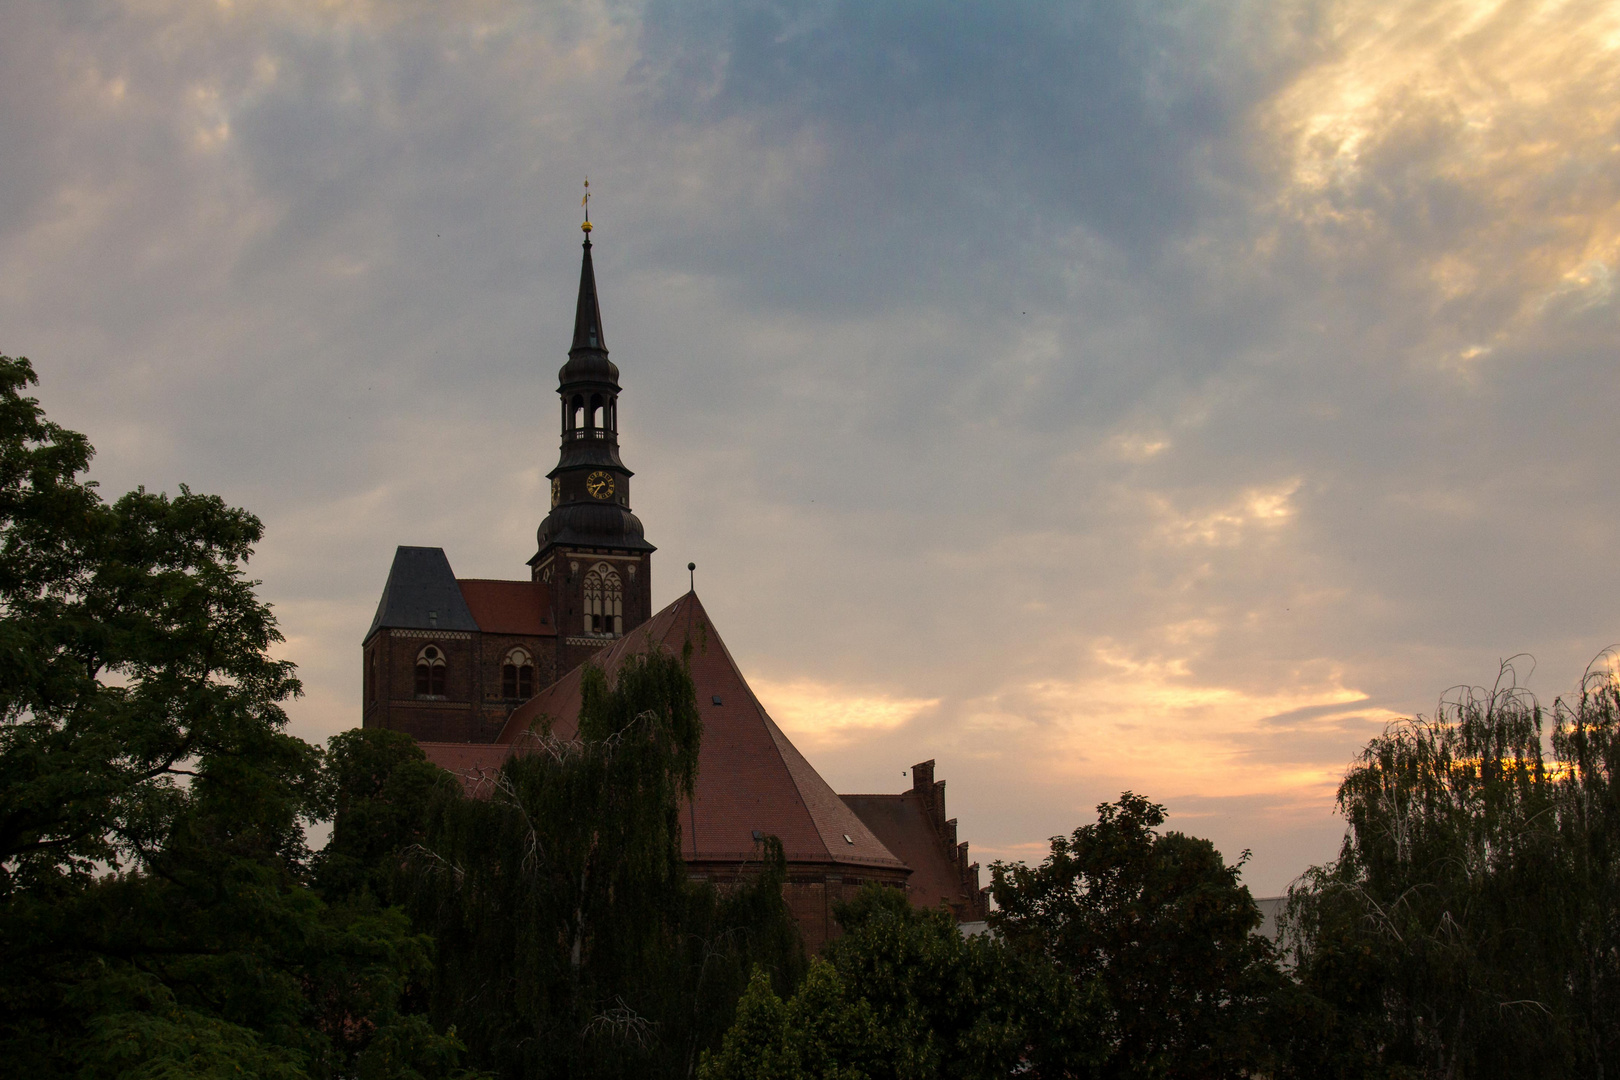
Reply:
x=586 y=203
x=691 y=568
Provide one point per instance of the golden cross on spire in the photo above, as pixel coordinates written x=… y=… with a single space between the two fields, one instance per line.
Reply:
x=586 y=203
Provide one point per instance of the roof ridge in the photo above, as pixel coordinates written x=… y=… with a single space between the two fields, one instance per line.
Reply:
x=777 y=738
x=850 y=828
x=795 y=801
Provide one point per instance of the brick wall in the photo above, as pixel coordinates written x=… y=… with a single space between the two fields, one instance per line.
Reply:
x=471 y=708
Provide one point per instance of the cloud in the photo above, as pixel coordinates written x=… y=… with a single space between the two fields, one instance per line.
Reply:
x=1092 y=396
x=815 y=714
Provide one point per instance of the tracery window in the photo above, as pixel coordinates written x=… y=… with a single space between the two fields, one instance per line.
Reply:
x=517 y=675
x=430 y=672
x=604 y=601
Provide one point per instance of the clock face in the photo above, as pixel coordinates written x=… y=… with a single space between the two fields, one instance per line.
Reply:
x=600 y=485
x=556 y=492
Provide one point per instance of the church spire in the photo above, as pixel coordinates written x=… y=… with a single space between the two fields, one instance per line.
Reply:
x=591 y=552
x=587 y=312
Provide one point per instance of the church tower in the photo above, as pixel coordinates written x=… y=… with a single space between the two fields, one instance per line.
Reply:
x=592 y=555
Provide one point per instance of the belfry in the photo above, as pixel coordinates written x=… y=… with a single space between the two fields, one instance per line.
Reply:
x=468 y=665
x=591 y=549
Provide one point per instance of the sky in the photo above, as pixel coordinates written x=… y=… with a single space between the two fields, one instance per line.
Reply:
x=1092 y=397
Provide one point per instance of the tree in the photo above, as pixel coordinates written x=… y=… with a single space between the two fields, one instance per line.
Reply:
x=1162 y=926
x=903 y=995
x=569 y=941
x=1469 y=925
x=155 y=917
x=821 y=1033
x=1586 y=744
x=383 y=790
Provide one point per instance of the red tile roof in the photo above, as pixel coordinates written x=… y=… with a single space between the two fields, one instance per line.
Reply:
x=903 y=823
x=750 y=776
x=508 y=607
x=473 y=762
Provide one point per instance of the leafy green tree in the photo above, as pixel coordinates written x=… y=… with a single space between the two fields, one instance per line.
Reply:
x=570 y=942
x=1469 y=925
x=902 y=994
x=155 y=917
x=822 y=1032
x=383 y=790
x=1163 y=927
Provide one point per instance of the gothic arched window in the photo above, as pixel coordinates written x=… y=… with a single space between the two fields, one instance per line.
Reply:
x=430 y=672
x=517 y=675
x=604 y=601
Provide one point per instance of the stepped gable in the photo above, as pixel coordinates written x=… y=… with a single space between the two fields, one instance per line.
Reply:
x=913 y=825
x=509 y=607
x=750 y=775
x=421 y=594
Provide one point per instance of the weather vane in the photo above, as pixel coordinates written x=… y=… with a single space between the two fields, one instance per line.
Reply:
x=586 y=203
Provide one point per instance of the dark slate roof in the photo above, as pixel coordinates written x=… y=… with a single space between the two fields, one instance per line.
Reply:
x=421 y=594
x=587 y=311
x=588 y=356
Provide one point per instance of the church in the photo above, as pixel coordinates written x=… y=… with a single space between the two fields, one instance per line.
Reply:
x=467 y=665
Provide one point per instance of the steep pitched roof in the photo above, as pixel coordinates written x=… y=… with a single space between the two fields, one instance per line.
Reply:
x=508 y=607
x=587 y=311
x=750 y=775
x=903 y=823
x=470 y=761
x=421 y=594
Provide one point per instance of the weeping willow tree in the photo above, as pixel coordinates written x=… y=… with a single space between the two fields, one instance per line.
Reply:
x=1468 y=926
x=569 y=940
x=1586 y=740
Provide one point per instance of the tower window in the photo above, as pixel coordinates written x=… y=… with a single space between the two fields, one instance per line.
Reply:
x=604 y=601
x=517 y=675
x=430 y=672
x=596 y=411
x=576 y=413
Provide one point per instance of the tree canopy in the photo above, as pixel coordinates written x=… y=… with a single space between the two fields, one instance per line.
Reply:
x=1162 y=927
x=902 y=995
x=156 y=916
x=1469 y=927
x=570 y=942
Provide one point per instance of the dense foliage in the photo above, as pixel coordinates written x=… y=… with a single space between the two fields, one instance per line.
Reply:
x=1470 y=926
x=904 y=996
x=570 y=942
x=1163 y=928
x=156 y=917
